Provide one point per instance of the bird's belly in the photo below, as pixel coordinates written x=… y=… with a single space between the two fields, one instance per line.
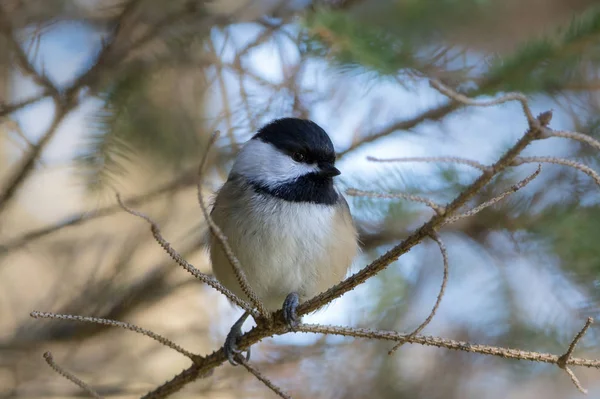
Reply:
x=291 y=249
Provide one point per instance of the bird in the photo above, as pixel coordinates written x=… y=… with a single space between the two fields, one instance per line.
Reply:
x=285 y=220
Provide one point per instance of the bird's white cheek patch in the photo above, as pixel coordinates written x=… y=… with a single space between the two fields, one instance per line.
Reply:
x=263 y=163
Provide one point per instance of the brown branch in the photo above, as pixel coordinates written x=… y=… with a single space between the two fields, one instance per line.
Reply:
x=506 y=353
x=444 y=251
x=432 y=114
x=564 y=359
x=233 y=260
x=50 y=360
x=205 y=278
x=425 y=230
x=75 y=219
x=7 y=109
x=27 y=163
x=268 y=383
x=115 y=323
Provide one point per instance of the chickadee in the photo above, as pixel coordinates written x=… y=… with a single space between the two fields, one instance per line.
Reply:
x=290 y=228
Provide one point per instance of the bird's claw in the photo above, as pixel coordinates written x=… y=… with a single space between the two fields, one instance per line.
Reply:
x=230 y=348
x=289 y=311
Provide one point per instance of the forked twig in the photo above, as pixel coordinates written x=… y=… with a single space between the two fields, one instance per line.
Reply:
x=496 y=199
x=564 y=359
x=233 y=260
x=560 y=161
x=435 y=237
x=205 y=278
x=255 y=372
x=115 y=323
x=439 y=209
x=69 y=376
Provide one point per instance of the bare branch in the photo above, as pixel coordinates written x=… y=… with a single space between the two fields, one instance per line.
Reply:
x=496 y=199
x=27 y=163
x=269 y=384
x=458 y=160
x=114 y=323
x=506 y=353
x=360 y=193
x=205 y=278
x=432 y=114
x=79 y=218
x=233 y=260
x=7 y=109
x=584 y=138
x=50 y=360
x=564 y=359
x=444 y=251
x=560 y=161
x=521 y=98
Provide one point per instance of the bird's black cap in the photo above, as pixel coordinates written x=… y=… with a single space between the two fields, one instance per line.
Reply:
x=294 y=135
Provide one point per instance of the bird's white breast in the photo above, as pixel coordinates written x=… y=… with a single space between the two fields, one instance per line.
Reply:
x=283 y=246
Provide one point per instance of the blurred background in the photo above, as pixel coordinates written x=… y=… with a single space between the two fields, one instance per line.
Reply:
x=98 y=96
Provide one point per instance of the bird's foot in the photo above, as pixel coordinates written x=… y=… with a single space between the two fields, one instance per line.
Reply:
x=230 y=348
x=289 y=310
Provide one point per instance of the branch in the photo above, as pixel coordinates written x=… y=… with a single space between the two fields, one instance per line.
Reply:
x=506 y=353
x=27 y=163
x=444 y=251
x=233 y=260
x=458 y=160
x=498 y=198
x=268 y=383
x=205 y=278
x=425 y=230
x=439 y=209
x=560 y=161
x=50 y=360
x=521 y=98
x=79 y=218
x=564 y=359
x=114 y=323
x=584 y=138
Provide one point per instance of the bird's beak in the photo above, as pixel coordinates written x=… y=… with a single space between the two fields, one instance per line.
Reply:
x=328 y=170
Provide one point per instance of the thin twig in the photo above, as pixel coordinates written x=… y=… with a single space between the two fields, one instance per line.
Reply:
x=584 y=138
x=448 y=92
x=560 y=161
x=415 y=198
x=496 y=199
x=564 y=359
x=50 y=360
x=233 y=260
x=115 y=323
x=27 y=163
x=268 y=383
x=444 y=251
x=458 y=160
x=205 y=278
x=75 y=219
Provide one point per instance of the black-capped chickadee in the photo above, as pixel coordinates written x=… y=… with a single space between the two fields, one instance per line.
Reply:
x=290 y=228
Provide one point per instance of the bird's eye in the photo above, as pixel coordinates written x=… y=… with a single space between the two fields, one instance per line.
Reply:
x=298 y=157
